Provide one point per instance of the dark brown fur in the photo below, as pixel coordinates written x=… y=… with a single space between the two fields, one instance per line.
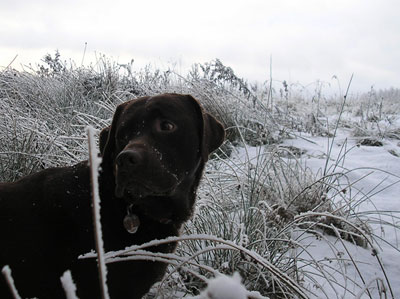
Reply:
x=153 y=158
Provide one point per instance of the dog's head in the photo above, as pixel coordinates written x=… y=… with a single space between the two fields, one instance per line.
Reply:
x=157 y=147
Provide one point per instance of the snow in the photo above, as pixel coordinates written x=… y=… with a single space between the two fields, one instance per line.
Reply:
x=68 y=285
x=224 y=287
x=375 y=173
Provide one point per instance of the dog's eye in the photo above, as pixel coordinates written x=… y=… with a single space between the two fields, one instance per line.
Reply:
x=167 y=126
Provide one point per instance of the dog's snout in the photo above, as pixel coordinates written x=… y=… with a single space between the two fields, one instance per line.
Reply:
x=129 y=158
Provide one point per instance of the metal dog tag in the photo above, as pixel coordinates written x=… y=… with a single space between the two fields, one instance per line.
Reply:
x=131 y=223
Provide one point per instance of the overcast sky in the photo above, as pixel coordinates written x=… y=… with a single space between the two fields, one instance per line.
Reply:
x=308 y=40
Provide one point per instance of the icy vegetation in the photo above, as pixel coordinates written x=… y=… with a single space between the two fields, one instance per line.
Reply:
x=301 y=201
x=6 y=271
x=68 y=285
x=94 y=163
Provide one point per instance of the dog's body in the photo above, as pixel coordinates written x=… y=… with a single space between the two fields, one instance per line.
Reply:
x=153 y=157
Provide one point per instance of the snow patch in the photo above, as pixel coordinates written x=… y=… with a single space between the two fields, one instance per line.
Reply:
x=224 y=287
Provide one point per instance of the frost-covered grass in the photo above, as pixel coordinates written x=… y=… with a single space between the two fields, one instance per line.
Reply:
x=277 y=189
x=94 y=164
x=6 y=271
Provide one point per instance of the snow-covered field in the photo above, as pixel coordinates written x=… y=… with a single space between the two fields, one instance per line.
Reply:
x=374 y=174
x=373 y=178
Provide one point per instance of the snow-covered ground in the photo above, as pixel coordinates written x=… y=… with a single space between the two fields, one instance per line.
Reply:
x=372 y=182
x=375 y=171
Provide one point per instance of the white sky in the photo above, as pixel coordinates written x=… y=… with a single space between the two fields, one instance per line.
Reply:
x=307 y=39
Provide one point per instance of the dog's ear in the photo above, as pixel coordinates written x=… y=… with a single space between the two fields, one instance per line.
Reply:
x=212 y=131
x=107 y=137
x=213 y=135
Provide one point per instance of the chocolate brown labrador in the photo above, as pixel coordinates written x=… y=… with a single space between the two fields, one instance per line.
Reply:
x=153 y=156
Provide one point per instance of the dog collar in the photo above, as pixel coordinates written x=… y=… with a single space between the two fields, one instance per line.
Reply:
x=132 y=221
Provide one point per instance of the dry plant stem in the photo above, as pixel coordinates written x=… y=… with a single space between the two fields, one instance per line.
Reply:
x=10 y=282
x=143 y=255
x=337 y=125
x=376 y=279
x=192 y=257
x=12 y=61
x=68 y=285
x=270 y=83
x=93 y=163
x=263 y=262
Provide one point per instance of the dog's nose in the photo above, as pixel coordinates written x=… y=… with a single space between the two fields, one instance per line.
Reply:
x=129 y=158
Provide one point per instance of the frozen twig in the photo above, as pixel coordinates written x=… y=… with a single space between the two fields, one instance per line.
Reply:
x=68 y=285
x=289 y=282
x=94 y=162
x=10 y=281
x=377 y=280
